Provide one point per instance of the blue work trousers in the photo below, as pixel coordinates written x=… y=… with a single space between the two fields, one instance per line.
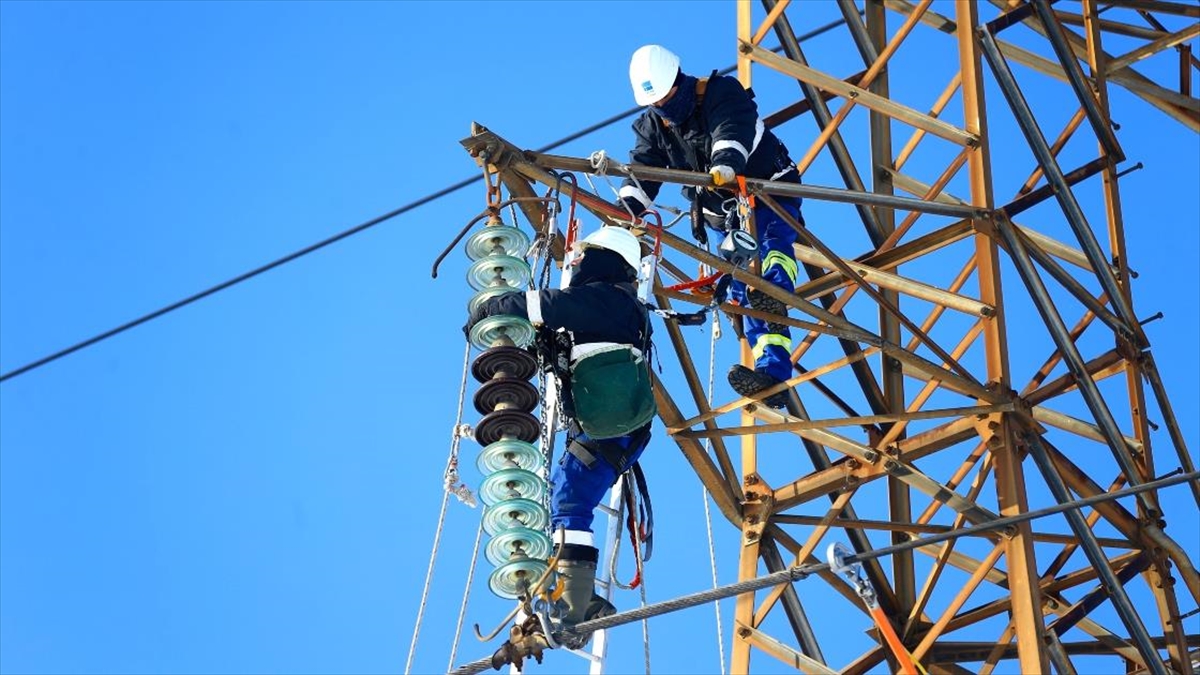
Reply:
x=772 y=350
x=579 y=489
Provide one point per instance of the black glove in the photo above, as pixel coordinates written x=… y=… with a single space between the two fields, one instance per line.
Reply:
x=699 y=231
x=475 y=317
x=635 y=207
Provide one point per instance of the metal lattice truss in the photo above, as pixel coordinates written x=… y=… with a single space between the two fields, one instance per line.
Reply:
x=930 y=378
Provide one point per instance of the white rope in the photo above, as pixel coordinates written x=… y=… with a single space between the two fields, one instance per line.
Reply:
x=412 y=648
x=646 y=621
x=462 y=611
x=451 y=471
x=712 y=555
x=601 y=164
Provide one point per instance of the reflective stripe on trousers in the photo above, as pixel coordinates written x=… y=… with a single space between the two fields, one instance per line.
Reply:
x=772 y=351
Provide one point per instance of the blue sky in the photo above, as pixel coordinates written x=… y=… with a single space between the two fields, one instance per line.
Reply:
x=250 y=484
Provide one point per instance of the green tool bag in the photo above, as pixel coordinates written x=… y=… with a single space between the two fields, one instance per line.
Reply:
x=611 y=391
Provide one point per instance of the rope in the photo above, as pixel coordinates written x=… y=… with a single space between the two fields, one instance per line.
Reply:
x=437 y=538
x=645 y=622
x=451 y=470
x=712 y=553
x=601 y=164
x=462 y=611
x=451 y=479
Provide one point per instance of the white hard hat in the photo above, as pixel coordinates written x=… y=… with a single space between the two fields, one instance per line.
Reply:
x=652 y=71
x=619 y=241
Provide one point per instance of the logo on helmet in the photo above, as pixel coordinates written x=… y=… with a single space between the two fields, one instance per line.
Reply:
x=647 y=86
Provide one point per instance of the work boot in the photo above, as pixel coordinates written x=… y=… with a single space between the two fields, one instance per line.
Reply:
x=764 y=303
x=749 y=382
x=577 y=577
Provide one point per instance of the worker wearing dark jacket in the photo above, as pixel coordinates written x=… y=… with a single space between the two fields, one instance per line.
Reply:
x=600 y=310
x=715 y=128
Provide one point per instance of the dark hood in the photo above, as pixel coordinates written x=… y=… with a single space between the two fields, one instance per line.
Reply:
x=601 y=265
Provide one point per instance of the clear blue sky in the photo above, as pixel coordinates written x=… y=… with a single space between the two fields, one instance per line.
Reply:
x=250 y=484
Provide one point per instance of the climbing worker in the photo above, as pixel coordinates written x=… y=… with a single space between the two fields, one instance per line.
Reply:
x=711 y=125
x=598 y=326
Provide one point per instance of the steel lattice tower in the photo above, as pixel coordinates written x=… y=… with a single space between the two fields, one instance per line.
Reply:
x=971 y=353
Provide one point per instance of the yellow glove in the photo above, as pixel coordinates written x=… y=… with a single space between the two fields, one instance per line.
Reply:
x=722 y=175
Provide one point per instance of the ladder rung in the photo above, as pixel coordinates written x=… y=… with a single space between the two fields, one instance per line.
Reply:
x=582 y=654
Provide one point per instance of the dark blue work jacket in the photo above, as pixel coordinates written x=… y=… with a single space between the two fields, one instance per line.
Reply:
x=721 y=127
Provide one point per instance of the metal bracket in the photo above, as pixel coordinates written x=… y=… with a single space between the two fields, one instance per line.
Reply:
x=757 y=507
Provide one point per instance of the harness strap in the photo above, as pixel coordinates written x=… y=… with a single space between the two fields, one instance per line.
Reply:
x=645 y=509
x=607 y=449
x=639 y=521
x=631 y=527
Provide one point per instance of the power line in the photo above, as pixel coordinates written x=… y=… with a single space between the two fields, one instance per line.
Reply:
x=293 y=256
x=340 y=236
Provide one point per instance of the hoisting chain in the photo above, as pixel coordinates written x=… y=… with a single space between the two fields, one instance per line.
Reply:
x=493 y=188
x=541 y=248
x=545 y=440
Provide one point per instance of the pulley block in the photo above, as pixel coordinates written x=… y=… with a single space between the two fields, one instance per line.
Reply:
x=496 y=328
x=508 y=453
x=504 y=361
x=511 y=579
x=499 y=270
x=497 y=240
x=512 y=513
x=517 y=543
x=509 y=392
x=511 y=484
x=511 y=423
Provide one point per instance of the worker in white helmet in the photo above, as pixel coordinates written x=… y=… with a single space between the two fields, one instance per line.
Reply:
x=711 y=125
x=606 y=395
